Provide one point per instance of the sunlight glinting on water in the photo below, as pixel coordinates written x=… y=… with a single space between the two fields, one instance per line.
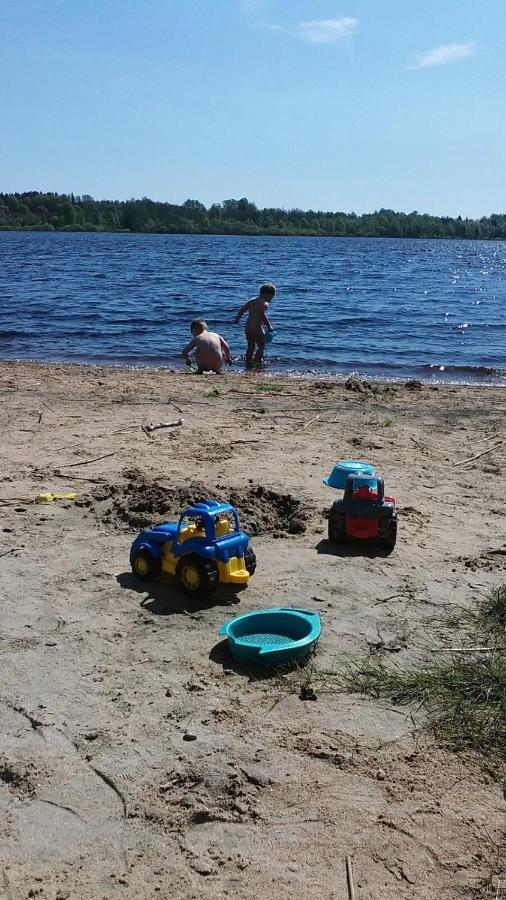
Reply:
x=384 y=308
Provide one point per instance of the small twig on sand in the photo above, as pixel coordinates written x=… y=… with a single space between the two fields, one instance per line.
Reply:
x=39 y=420
x=81 y=478
x=349 y=878
x=110 y=783
x=282 y=415
x=146 y=432
x=310 y=422
x=86 y=462
x=248 y=441
x=251 y=393
x=150 y=428
x=13 y=550
x=466 y=649
x=171 y=403
x=122 y=430
x=478 y=455
x=490 y=437
x=386 y=599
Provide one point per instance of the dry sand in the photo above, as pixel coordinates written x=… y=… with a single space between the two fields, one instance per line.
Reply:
x=102 y=793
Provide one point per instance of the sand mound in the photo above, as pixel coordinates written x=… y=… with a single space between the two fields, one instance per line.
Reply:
x=141 y=501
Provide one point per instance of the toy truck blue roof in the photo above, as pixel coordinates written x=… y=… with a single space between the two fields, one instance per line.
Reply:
x=209 y=546
x=211 y=507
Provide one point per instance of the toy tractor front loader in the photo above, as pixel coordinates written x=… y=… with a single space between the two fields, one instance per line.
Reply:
x=364 y=513
x=204 y=549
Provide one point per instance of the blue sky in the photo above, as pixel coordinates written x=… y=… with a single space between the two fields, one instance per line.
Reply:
x=344 y=105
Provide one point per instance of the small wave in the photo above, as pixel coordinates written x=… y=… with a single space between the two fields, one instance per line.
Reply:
x=8 y=334
x=464 y=370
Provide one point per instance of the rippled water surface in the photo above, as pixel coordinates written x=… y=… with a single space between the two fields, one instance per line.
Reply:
x=386 y=308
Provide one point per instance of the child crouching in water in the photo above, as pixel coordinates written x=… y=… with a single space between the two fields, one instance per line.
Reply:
x=211 y=350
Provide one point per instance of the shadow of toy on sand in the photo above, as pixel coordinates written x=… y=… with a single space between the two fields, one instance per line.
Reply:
x=221 y=655
x=165 y=599
x=353 y=548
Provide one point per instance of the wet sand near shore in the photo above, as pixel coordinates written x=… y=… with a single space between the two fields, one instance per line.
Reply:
x=136 y=758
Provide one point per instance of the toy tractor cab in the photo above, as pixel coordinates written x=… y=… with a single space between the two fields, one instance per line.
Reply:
x=204 y=549
x=364 y=513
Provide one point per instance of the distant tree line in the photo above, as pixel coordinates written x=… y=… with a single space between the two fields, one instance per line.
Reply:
x=35 y=211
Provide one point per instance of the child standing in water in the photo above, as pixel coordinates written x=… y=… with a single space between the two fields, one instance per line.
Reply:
x=257 y=317
x=211 y=350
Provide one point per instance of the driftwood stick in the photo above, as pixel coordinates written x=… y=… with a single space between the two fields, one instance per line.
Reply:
x=478 y=455
x=14 y=550
x=86 y=462
x=349 y=878
x=310 y=422
x=174 y=424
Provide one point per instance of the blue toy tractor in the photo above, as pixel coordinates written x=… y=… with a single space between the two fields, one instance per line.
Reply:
x=204 y=549
x=364 y=513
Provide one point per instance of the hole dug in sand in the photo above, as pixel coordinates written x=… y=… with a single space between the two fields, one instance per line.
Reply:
x=141 y=501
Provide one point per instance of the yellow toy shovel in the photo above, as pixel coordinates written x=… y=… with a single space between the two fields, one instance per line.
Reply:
x=48 y=498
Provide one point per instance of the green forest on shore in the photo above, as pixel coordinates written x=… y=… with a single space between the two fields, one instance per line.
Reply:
x=36 y=211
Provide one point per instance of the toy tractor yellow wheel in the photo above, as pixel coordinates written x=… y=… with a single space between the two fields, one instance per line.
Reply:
x=145 y=566
x=197 y=577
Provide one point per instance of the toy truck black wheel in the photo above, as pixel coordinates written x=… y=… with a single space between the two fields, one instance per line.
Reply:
x=197 y=577
x=250 y=560
x=337 y=531
x=145 y=566
x=388 y=533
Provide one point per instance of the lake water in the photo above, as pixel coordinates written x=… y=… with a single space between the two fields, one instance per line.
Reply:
x=384 y=308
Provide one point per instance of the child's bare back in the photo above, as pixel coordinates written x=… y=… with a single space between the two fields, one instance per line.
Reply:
x=257 y=309
x=211 y=350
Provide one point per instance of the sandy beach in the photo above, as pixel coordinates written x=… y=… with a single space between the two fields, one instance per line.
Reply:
x=136 y=759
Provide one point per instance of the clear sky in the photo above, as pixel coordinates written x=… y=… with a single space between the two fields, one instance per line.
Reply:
x=345 y=105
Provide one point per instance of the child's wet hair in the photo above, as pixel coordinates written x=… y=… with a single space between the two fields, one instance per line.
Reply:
x=198 y=325
x=267 y=289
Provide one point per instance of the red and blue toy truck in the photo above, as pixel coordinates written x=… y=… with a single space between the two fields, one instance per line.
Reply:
x=364 y=513
x=204 y=549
